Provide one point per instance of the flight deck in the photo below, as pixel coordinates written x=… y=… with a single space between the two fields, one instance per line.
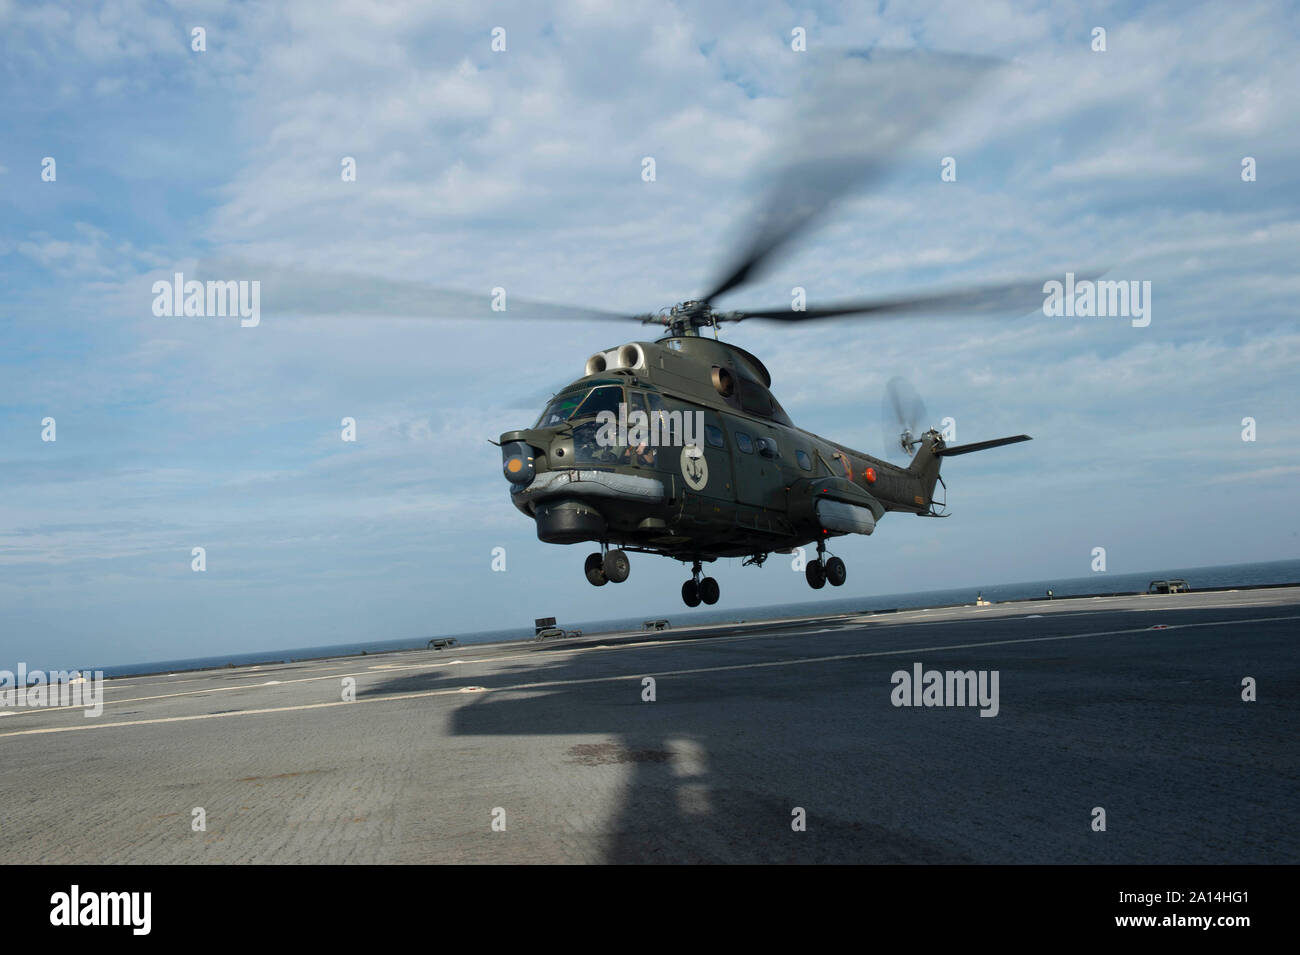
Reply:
x=781 y=741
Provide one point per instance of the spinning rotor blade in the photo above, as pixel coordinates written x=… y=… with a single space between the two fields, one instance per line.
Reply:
x=856 y=117
x=850 y=125
x=903 y=417
x=1014 y=298
x=302 y=292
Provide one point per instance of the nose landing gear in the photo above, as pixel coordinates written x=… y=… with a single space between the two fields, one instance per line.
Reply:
x=818 y=572
x=608 y=566
x=691 y=593
x=696 y=589
x=595 y=570
x=616 y=566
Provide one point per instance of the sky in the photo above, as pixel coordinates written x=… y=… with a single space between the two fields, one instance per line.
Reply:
x=522 y=169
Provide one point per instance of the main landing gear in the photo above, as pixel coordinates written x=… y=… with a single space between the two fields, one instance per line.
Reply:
x=696 y=590
x=821 y=570
x=608 y=566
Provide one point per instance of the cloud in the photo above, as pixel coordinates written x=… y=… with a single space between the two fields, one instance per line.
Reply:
x=523 y=170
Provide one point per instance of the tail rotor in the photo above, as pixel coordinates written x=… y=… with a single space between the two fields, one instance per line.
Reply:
x=903 y=419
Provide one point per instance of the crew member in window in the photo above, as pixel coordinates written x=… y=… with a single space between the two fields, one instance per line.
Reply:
x=642 y=454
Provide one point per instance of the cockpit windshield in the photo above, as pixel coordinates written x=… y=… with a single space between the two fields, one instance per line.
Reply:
x=585 y=403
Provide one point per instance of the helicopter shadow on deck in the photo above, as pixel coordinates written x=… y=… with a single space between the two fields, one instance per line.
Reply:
x=697 y=783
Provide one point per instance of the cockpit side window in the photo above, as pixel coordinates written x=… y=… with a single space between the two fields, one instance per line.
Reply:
x=659 y=422
x=641 y=449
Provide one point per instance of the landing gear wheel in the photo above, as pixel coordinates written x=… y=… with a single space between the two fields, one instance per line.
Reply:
x=691 y=593
x=595 y=570
x=710 y=591
x=616 y=566
x=816 y=574
x=836 y=572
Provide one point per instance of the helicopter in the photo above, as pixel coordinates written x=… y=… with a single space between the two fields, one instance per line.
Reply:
x=705 y=463
x=677 y=446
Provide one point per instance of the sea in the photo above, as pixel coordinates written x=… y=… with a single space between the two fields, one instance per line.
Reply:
x=1199 y=578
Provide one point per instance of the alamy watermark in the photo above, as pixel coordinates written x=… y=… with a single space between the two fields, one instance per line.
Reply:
x=75 y=907
x=41 y=688
x=1088 y=298
x=921 y=687
x=658 y=429
x=214 y=299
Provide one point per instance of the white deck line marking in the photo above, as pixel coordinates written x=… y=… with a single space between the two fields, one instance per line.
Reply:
x=765 y=633
x=425 y=694
x=1014 y=610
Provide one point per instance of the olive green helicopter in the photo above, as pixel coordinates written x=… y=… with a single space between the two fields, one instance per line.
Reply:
x=678 y=447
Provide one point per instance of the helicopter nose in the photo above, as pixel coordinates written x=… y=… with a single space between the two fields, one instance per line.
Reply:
x=517 y=462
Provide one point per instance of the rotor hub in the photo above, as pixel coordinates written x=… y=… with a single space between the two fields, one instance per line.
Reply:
x=685 y=318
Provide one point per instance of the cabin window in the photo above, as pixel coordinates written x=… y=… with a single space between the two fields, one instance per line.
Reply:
x=713 y=435
x=744 y=442
x=804 y=461
x=767 y=447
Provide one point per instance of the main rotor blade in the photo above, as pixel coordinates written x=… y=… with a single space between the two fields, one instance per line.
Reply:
x=855 y=118
x=1014 y=297
x=303 y=292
